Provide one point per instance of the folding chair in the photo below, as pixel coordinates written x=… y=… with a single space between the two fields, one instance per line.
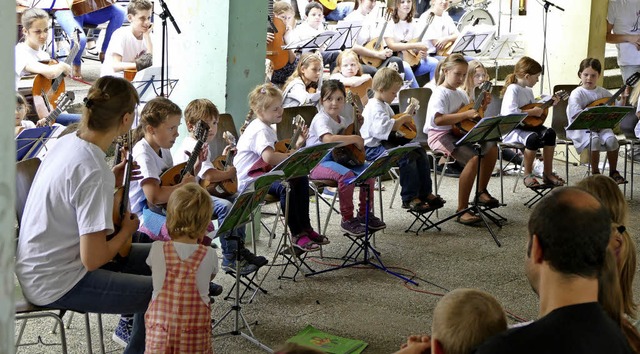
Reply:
x=250 y=285
x=25 y=173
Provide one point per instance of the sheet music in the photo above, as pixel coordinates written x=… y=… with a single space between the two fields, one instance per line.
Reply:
x=474 y=40
x=312 y=43
x=347 y=35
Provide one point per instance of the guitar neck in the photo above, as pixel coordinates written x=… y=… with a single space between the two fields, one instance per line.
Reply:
x=424 y=30
x=379 y=40
x=615 y=96
x=51 y=118
x=229 y=159
x=68 y=60
x=191 y=162
x=479 y=100
x=127 y=184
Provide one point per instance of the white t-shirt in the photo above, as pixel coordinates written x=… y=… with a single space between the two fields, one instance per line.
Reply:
x=27 y=124
x=295 y=94
x=124 y=43
x=208 y=266
x=368 y=23
x=256 y=137
x=151 y=167
x=323 y=124
x=443 y=101
x=515 y=97
x=402 y=31
x=24 y=56
x=441 y=26
x=377 y=124
x=179 y=156
x=624 y=15
x=302 y=31
x=71 y=195
x=46 y=4
x=580 y=97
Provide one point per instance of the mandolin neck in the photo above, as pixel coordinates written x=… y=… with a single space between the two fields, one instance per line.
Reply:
x=191 y=162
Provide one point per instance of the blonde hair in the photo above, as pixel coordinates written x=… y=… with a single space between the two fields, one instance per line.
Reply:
x=385 y=79
x=200 y=109
x=448 y=64
x=189 y=211
x=523 y=67
x=280 y=7
x=468 y=85
x=348 y=53
x=154 y=113
x=464 y=318
x=108 y=100
x=136 y=6
x=305 y=61
x=261 y=97
x=609 y=194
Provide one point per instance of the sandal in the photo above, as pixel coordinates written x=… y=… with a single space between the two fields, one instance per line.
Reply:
x=471 y=219
x=617 y=177
x=530 y=181
x=304 y=243
x=488 y=199
x=435 y=201
x=556 y=181
x=419 y=206
x=316 y=237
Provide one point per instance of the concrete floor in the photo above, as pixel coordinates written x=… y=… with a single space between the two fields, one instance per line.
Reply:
x=362 y=302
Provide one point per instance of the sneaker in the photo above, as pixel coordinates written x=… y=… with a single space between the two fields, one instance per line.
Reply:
x=352 y=227
x=375 y=223
x=122 y=333
x=215 y=289
x=258 y=261
x=229 y=266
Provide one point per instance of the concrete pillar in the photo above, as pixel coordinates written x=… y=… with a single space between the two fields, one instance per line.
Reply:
x=7 y=178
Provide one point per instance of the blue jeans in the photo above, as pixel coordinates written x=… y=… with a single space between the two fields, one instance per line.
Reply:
x=341 y=11
x=299 y=203
x=71 y=25
x=427 y=65
x=116 y=288
x=229 y=241
x=68 y=118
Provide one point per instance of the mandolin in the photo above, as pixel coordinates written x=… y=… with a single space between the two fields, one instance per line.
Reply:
x=376 y=43
x=407 y=131
x=461 y=128
x=81 y=7
x=412 y=56
x=224 y=189
x=52 y=89
x=608 y=101
x=130 y=74
x=174 y=175
x=350 y=155
x=278 y=56
x=286 y=145
x=121 y=197
x=530 y=122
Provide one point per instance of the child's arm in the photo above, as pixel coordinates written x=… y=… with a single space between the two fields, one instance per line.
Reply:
x=215 y=175
x=398 y=46
x=364 y=51
x=355 y=80
x=48 y=71
x=119 y=65
x=453 y=118
x=157 y=194
x=272 y=157
x=347 y=139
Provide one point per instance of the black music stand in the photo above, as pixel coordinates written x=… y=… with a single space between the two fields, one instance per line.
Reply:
x=30 y=142
x=486 y=130
x=378 y=167
x=346 y=37
x=600 y=117
x=309 y=44
x=240 y=214
x=472 y=43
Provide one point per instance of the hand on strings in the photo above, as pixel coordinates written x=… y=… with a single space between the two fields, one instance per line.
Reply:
x=470 y=114
x=536 y=112
x=360 y=118
x=119 y=170
x=269 y=37
x=441 y=43
x=229 y=148
x=304 y=134
x=422 y=54
x=42 y=122
x=487 y=100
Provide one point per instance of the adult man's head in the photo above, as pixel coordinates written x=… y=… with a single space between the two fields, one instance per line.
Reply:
x=568 y=234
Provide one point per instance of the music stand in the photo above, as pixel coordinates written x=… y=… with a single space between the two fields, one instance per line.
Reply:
x=600 y=117
x=474 y=40
x=240 y=214
x=32 y=142
x=149 y=81
x=346 y=37
x=378 y=167
x=502 y=49
x=308 y=44
x=486 y=130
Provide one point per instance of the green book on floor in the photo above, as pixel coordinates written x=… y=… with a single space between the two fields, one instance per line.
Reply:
x=328 y=343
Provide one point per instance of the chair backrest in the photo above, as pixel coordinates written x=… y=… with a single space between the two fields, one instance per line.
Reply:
x=225 y=123
x=559 y=119
x=628 y=125
x=284 y=129
x=493 y=109
x=423 y=95
x=25 y=173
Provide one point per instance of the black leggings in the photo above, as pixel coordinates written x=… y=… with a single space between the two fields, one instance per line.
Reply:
x=541 y=138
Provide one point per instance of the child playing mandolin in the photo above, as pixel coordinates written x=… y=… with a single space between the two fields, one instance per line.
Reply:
x=516 y=94
x=178 y=319
x=379 y=129
x=327 y=126
x=303 y=86
x=204 y=110
x=257 y=154
x=589 y=91
x=442 y=114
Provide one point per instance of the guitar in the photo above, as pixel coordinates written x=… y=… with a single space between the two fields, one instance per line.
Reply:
x=411 y=56
x=361 y=91
x=533 y=122
x=286 y=145
x=174 y=175
x=350 y=155
x=376 y=43
x=608 y=101
x=130 y=74
x=121 y=197
x=278 y=56
x=81 y=7
x=461 y=128
x=62 y=103
x=229 y=187
x=407 y=131
x=52 y=89
x=328 y=5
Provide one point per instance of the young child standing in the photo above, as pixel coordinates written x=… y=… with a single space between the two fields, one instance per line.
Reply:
x=517 y=93
x=178 y=319
x=128 y=44
x=256 y=154
x=442 y=114
x=379 y=127
x=326 y=127
x=602 y=139
x=303 y=86
x=204 y=110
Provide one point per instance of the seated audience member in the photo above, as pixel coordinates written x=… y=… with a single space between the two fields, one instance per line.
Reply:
x=569 y=231
x=462 y=320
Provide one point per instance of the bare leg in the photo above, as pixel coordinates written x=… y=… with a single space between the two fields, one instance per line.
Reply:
x=465 y=183
x=486 y=167
x=612 y=156
x=595 y=162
